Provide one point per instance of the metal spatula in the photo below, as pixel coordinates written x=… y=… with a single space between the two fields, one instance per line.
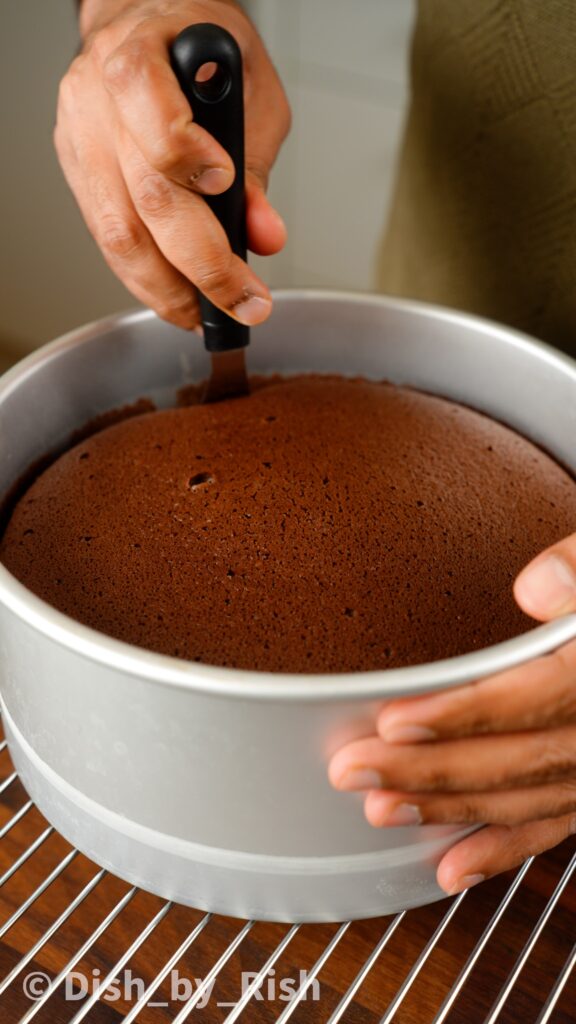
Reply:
x=218 y=106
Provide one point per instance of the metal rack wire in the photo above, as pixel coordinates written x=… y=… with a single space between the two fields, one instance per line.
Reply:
x=78 y=944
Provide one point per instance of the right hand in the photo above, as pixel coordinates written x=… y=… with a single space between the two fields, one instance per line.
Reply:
x=138 y=164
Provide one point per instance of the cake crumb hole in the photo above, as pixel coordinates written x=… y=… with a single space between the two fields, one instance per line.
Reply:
x=199 y=480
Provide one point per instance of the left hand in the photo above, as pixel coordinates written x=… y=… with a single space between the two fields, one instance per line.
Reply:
x=501 y=751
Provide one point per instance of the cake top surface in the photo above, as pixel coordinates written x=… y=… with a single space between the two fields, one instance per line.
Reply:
x=319 y=525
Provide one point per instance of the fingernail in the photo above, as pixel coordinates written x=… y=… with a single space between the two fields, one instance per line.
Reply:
x=251 y=310
x=549 y=586
x=466 y=882
x=404 y=814
x=361 y=778
x=409 y=734
x=212 y=180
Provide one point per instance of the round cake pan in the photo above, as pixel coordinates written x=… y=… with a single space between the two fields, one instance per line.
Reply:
x=208 y=785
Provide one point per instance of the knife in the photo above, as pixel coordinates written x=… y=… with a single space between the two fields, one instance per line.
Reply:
x=217 y=104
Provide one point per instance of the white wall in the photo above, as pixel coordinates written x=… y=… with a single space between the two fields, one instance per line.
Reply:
x=344 y=65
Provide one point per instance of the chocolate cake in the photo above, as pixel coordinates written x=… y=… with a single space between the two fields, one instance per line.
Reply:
x=318 y=525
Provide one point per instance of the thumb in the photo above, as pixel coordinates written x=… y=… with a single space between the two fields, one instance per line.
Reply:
x=265 y=227
x=546 y=588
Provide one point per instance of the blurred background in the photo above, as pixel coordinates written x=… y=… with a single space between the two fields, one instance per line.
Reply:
x=344 y=66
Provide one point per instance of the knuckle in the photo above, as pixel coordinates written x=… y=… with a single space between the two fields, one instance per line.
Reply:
x=63 y=93
x=181 y=302
x=179 y=311
x=467 y=812
x=435 y=779
x=122 y=66
x=529 y=841
x=566 y=798
x=102 y=43
x=77 y=68
x=120 y=239
x=154 y=195
x=555 y=760
x=214 y=276
x=167 y=153
x=165 y=311
x=479 y=722
x=64 y=151
x=67 y=90
x=186 y=306
x=58 y=140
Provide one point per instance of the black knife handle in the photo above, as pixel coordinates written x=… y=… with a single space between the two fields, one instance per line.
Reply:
x=218 y=106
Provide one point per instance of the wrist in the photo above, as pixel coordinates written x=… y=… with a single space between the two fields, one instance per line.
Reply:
x=96 y=14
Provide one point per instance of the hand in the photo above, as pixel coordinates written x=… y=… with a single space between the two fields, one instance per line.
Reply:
x=501 y=751
x=138 y=165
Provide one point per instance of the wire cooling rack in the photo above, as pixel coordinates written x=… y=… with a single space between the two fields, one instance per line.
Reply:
x=78 y=944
